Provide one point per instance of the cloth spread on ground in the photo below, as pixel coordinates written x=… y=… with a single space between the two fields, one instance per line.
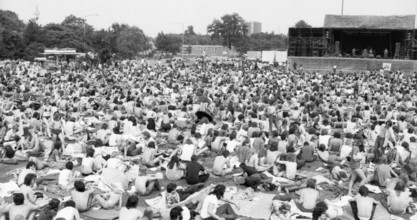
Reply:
x=110 y=175
x=296 y=210
x=374 y=189
x=101 y=214
x=159 y=203
x=277 y=179
x=7 y=189
x=261 y=202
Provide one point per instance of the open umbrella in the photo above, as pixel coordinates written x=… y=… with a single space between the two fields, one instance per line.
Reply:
x=204 y=114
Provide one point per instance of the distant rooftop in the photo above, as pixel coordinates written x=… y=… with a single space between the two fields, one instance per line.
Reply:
x=400 y=22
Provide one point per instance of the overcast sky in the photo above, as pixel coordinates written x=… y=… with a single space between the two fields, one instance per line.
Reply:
x=172 y=16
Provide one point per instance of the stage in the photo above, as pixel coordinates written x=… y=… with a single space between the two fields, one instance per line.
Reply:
x=346 y=64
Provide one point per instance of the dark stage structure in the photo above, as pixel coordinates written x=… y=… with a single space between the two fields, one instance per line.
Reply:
x=357 y=37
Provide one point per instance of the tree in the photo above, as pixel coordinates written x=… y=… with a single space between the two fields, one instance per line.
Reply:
x=262 y=41
x=302 y=24
x=11 y=35
x=243 y=46
x=168 y=43
x=189 y=31
x=102 y=44
x=130 y=41
x=189 y=49
x=33 y=50
x=60 y=36
x=80 y=27
x=33 y=32
x=231 y=29
x=20 y=40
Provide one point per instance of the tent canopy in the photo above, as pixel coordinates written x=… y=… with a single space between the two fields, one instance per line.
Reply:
x=370 y=22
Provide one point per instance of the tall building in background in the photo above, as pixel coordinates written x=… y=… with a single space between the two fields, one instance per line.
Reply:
x=254 y=27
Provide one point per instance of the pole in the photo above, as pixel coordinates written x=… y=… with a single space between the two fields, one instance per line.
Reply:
x=343 y=2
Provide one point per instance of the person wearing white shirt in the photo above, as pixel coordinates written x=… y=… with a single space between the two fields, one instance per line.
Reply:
x=290 y=169
x=87 y=164
x=205 y=127
x=212 y=209
x=187 y=150
x=69 y=212
x=30 y=168
x=130 y=211
x=66 y=176
x=114 y=139
x=232 y=143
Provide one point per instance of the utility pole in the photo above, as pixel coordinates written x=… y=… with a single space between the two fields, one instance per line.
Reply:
x=343 y=2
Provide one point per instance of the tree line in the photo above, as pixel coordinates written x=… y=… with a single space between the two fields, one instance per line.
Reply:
x=20 y=40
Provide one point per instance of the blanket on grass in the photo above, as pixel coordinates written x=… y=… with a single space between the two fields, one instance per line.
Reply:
x=100 y=214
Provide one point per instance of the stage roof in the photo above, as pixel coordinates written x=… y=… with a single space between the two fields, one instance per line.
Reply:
x=370 y=22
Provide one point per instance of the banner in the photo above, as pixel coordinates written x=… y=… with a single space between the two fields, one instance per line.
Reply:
x=386 y=66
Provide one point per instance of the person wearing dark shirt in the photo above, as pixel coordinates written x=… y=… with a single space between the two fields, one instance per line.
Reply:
x=248 y=169
x=307 y=153
x=195 y=172
x=49 y=212
x=252 y=181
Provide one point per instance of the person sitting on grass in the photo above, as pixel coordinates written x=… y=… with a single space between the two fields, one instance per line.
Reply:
x=30 y=168
x=21 y=209
x=87 y=164
x=221 y=165
x=50 y=211
x=308 y=197
x=187 y=150
x=69 y=212
x=195 y=172
x=363 y=206
x=306 y=153
x=10 y=156
x=326 y=157
x=321 y=211
x=212 y=209
x=112 y=198
x=130 y=211
x=84 y=199
x=66 y=176
x=180 y=213
x=146 y=184
x=55 y=160
x=175 y=197
x=383 y=173
x=175 y=170
x=398 y=200
x=150 y=156
x=257 y=162
x=27 y=188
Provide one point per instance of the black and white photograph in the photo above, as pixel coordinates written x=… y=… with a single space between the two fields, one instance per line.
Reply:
x=208 y=110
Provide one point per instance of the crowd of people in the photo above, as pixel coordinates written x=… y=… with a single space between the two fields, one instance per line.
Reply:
x=257 y=122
